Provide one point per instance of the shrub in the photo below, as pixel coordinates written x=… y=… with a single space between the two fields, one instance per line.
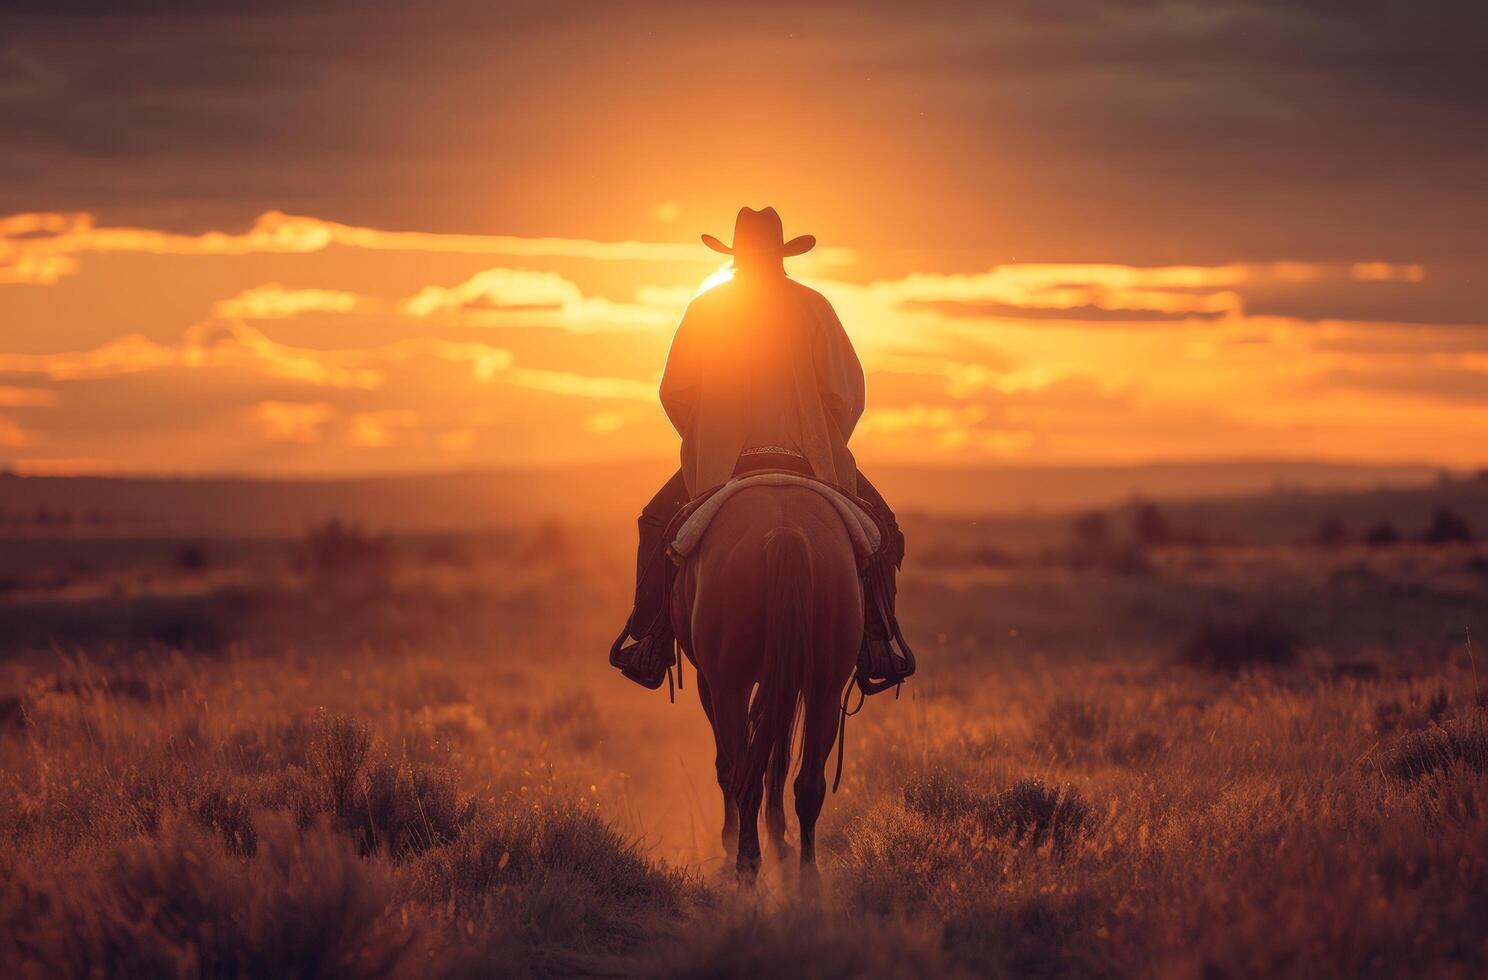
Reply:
x=937 y=793
x=192 y=557
x=338 y=748
x=1435 y=749
x=177 y=905
x=1448 y=527
x=1032 y=813
x=1151 y=528
x=1417 y=711
x=567 y=877
x=1331 y=533
x=405 y=809
x=336 y=549
x=900 y=857
x=1236 y=646
x=397 y=808
x=1028 y=812
x=1382 y=535
x=229 y=813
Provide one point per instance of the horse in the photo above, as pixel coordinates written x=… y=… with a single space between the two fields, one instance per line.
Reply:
x=771 y=605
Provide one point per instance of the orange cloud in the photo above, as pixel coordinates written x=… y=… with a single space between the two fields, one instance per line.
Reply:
x=1166 y=290
x=376 y=429
x=235 y=344
x=497 y=289
x=126 y=355
x=523 y=297
x=38 y=247
x=1385 y=272
x=272 y=301
x=279 y=421
x=219 y=344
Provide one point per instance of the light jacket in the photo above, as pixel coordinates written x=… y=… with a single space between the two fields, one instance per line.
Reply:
x=762 y=360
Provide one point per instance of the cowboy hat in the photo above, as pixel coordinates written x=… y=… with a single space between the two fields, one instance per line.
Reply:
x=759 y=232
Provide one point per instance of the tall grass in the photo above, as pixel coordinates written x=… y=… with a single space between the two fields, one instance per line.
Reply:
x=1053 y=796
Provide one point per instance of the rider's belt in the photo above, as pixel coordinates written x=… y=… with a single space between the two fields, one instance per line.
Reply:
x=772 y=451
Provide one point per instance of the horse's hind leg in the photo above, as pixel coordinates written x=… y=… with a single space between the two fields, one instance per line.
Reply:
x=750 y=787
x=748 y=861
x=728 y=741
x=780 y=761
x=818 y=733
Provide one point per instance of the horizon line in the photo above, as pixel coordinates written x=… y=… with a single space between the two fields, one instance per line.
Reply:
x=8 y=469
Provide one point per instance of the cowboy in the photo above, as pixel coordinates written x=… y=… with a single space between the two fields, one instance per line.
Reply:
x=761 y=376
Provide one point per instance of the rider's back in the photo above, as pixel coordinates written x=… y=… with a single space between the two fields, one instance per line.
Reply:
x=762 y=361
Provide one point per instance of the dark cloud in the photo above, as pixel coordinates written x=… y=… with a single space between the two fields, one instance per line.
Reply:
x=1060 y=130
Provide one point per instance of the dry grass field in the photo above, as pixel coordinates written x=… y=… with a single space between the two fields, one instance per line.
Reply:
x=348 y=757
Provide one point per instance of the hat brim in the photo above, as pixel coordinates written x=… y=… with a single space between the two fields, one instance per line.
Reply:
x=799 y=245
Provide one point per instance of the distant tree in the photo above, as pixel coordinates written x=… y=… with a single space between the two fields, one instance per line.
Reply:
x=192 y=557
x=1151 y=528
x=1382 y=535
x=1331 y=533
x=1448 y=527
x=335 y=549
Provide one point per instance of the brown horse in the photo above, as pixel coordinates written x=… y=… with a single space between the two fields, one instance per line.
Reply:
x=771 y=598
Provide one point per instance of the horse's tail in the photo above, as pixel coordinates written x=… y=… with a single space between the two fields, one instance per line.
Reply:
x=786 y=672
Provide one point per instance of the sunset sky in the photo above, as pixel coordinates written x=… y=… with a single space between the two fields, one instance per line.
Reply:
x=336 y=238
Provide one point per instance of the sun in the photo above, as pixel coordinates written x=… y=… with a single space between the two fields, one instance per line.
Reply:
x=718 y=277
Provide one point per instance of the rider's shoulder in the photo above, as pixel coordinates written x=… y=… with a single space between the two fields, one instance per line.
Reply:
x=726 y=296
x=806 y=292
x=812 y=300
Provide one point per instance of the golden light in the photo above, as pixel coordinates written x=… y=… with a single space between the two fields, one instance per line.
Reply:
x=720 y=276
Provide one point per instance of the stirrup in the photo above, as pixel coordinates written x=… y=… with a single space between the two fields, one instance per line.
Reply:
x=646 y=661
x=881 y=666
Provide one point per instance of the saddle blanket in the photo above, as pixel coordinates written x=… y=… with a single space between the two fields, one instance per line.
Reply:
x=861 y=527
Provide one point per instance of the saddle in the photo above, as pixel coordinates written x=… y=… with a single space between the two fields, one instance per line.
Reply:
x=692 y=521
x=885 y=660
